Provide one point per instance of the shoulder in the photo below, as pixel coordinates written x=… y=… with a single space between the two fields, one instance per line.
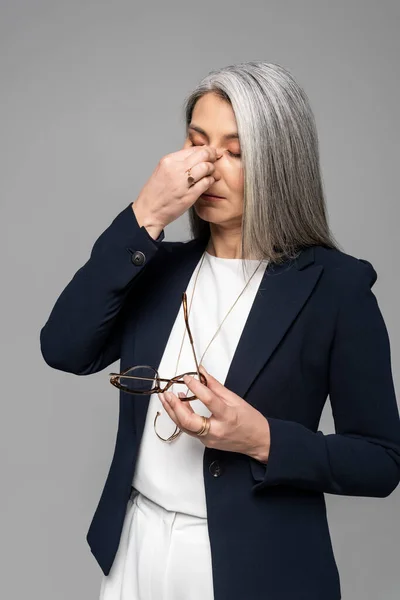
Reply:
x=342 y=267
x=344 y=276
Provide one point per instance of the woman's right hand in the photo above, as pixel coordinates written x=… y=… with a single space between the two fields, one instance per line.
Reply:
x=167 y=195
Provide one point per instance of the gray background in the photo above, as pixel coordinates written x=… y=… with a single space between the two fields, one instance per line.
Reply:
x=91 y=96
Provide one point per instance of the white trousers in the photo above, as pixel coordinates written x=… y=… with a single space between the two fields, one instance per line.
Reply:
x=162 y=555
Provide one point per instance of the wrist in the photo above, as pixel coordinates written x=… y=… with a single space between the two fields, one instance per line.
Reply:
x=145 y=219
x=260 y=450
x=261 y=454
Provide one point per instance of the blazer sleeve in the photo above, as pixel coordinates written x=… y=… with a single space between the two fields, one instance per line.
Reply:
x=362 y=457
x=83 y=332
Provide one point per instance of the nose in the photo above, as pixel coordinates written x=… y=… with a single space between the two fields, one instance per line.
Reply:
x=216 y=173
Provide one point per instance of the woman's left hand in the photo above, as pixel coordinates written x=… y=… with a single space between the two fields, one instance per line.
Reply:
x=235 y=425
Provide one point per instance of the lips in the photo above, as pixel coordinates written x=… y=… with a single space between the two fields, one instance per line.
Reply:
x=213 y=195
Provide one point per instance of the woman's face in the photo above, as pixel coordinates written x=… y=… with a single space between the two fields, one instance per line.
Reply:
x=213 y=123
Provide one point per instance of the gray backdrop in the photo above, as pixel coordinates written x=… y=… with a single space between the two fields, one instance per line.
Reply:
x=91 y=96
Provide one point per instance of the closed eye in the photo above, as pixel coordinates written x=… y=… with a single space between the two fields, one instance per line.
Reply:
x=229 y=152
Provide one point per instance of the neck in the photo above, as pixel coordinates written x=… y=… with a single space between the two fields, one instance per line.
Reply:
x=223 y=242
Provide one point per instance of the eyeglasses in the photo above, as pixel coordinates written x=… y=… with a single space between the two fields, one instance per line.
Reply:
x=143 y=379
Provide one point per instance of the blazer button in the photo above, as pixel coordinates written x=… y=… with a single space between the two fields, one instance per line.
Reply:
x=138 y=258
x=215 y=468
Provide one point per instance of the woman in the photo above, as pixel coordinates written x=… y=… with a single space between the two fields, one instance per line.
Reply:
x=217 y=489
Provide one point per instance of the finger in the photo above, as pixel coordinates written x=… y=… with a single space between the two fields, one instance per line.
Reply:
x=216 y=386
x=209 y=152
x=200 y=153
x=201 y=170
x=182 y=395
x=200 y=187
x=168 y=409
x=213 y=402
x=189 y=420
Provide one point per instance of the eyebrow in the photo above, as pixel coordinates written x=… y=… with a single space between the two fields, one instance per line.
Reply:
x=227 y=136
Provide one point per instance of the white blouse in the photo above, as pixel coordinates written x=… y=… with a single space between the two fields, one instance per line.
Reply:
x=171 y=473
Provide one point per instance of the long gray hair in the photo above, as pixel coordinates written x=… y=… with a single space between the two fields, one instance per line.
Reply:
x=283 y=202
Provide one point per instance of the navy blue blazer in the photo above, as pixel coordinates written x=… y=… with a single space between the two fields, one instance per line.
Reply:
x=315 y=329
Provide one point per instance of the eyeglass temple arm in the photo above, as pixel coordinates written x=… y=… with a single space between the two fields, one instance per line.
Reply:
x=137 y=377
x=185 y=314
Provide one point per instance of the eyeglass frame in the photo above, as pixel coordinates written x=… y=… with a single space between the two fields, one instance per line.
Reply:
x=170 y=382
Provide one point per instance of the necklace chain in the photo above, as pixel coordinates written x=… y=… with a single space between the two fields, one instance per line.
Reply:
x=229 y=311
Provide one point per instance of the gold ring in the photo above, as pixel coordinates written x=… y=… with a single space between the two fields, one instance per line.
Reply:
x=205 y=427
x=190 y=179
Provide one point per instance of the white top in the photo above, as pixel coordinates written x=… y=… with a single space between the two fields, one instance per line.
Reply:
x=171 y=473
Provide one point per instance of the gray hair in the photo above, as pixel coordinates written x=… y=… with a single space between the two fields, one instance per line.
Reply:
x=283 y=202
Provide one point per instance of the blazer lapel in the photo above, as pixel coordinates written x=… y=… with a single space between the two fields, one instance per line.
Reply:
x=283 y=291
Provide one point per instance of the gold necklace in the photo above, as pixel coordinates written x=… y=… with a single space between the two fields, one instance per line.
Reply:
x=177 y=434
